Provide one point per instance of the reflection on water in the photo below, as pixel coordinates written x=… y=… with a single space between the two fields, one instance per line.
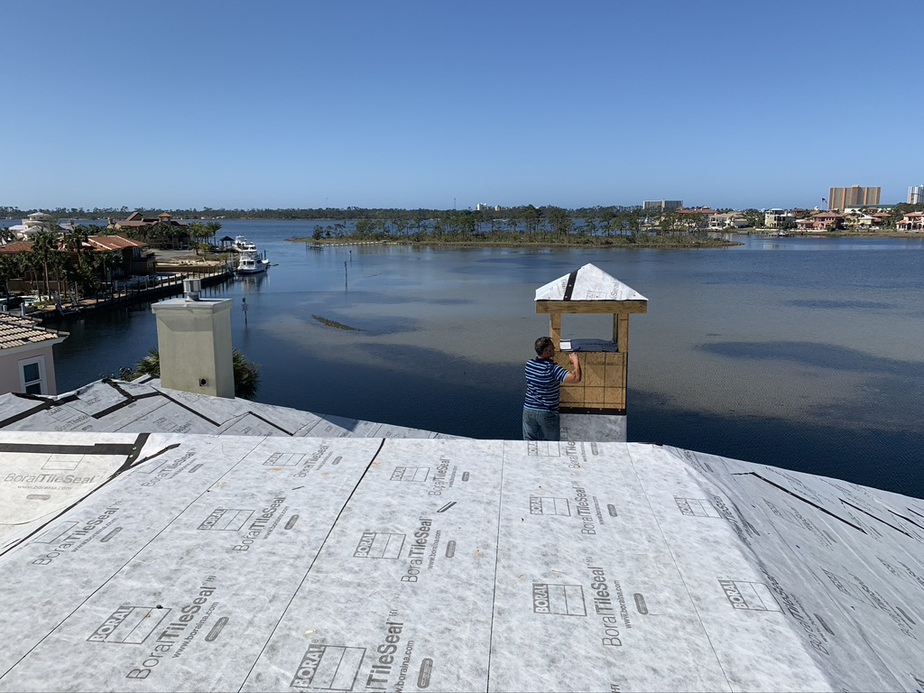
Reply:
x=808 y=359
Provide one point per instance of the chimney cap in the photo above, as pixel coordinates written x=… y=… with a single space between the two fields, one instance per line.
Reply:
x=192 y=287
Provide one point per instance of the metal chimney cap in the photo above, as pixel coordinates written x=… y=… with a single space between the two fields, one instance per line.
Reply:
x=192 y=287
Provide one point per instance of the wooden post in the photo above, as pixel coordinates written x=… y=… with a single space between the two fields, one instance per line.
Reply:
x=555 y=329
x=622 y=337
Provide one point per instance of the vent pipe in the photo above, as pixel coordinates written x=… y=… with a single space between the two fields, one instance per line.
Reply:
x=192 y=287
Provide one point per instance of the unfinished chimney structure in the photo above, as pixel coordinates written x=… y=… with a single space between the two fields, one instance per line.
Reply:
x=194 y=341
x=595 y=409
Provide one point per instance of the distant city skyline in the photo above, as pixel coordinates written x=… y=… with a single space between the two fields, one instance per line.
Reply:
x=182 y=105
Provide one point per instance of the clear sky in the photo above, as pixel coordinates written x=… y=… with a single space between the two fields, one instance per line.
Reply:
x=433 y=103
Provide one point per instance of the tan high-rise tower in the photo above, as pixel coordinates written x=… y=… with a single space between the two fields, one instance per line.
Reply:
x=856 y=196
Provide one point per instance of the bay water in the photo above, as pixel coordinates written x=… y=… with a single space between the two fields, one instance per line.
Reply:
x=801 y=353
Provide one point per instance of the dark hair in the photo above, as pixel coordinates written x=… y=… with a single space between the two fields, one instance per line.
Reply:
x=542 y=344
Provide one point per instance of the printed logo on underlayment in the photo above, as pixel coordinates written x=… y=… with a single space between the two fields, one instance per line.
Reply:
x=562 y=600
x=379 y=545
x=549 y=505
x=849 y=588
x=329 y=668
x=696 y=507
x=412 y=474
x=55 y=533
x=754 y=596
x=226 y=519
x=129 y=625
x=543 y=448
x=284 y=459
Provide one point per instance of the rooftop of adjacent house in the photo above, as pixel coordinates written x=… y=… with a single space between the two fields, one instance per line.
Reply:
x=18 y=331
x=137 y=219
x=170 y=541
x=114 y=242
x=15 y=247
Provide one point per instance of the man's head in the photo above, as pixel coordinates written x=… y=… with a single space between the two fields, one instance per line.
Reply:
x=544 y=346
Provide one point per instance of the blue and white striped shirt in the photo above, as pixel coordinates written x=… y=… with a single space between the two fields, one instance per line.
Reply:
x=543 y=384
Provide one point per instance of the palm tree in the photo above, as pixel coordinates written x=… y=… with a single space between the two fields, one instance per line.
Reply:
x=45 y=257
x=214 y=227
x=10 y=268
x=246 y=373
x=198 y=233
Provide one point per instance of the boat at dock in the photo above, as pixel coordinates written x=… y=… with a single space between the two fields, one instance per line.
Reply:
x=242 y=245
x=250 y=262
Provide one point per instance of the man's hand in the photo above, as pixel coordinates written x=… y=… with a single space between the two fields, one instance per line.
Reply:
x=574 y=377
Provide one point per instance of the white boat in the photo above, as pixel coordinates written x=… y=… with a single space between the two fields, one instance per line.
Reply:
x=250 y=262
x=242 y=245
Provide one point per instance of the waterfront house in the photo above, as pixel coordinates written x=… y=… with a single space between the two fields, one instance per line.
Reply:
x=778 y=218
x=697 y=218
x=731 y=220
x=912 y=221
x=162 y=231
x=27 y=362
x=32 y=224
x=137 y=259
x=870 y=222
x=820 y=222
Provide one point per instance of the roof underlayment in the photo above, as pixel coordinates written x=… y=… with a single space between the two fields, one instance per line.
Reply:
x=175 y=560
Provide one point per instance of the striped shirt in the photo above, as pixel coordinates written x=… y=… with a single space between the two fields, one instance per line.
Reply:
x=543 y=384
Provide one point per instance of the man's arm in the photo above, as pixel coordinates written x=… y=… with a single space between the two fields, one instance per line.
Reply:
x=574 y=377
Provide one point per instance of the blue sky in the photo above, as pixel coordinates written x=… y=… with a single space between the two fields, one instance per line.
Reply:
x=438 y=104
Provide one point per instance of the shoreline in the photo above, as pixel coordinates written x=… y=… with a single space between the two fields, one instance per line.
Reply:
x=476 y=243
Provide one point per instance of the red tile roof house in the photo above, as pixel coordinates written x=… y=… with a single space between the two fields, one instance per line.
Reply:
x=912 y=221
x=138 y=222
x=137 y=260
x=821 y=222
x=27 y=362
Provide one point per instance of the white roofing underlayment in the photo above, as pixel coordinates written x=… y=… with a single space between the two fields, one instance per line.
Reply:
x=175 y=560
x=588 y=283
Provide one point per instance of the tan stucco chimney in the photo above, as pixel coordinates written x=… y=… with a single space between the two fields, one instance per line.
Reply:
x=194 y=341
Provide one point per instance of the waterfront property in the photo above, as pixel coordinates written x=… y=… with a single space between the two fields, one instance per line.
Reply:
x=33 y=224
x=162 y=231
x=820 y=222
x=913 y=221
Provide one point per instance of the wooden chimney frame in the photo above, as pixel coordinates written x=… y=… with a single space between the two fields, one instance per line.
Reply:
x=605 y=365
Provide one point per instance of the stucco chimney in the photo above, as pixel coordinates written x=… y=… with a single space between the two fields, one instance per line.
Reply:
x=194 y=341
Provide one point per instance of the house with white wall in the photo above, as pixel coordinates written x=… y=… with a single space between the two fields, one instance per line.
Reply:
x=27 y=362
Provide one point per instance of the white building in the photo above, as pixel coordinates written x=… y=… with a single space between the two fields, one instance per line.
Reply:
x=32 y=224
x=27 y=362
x=776 y=218
x=916 y=195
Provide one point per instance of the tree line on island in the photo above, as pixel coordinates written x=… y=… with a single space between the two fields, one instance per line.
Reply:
x=528 y=224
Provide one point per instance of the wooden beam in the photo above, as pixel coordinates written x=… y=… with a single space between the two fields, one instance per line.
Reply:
x=591 y=307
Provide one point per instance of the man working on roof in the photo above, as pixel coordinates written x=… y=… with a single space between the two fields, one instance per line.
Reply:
x=544 y=378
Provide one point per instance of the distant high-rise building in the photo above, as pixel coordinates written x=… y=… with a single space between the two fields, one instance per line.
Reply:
x=916 y=195
x=856 y=196
x=662 y=205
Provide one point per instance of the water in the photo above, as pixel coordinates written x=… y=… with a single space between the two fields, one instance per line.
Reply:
x=800 y=353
